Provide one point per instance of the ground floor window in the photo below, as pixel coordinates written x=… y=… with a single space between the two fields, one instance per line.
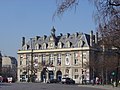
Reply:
x=76 y=76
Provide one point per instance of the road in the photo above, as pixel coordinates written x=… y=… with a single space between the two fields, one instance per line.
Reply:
x=42 y=86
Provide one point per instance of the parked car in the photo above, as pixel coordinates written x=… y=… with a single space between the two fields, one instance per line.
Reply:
x=53 y=81
x=10 y=79
x=67 y=81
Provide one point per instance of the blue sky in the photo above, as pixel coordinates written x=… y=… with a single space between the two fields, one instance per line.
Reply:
x=30 y=18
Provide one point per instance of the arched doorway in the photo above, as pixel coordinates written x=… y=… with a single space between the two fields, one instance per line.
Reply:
x=59 y=75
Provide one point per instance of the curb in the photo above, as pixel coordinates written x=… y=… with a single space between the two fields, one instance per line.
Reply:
x=107 y=87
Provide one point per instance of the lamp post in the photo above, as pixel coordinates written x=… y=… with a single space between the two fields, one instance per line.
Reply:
x=31 y=77
x=82 y=67
x=117 y=70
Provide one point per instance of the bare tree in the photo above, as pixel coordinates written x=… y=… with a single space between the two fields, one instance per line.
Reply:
x=107 y=18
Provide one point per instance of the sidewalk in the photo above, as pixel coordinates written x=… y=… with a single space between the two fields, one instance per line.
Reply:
x=106 y=87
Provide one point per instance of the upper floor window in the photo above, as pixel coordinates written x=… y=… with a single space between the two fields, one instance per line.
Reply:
x=20 y=62
x=51 y=59
x=59 y=59
x=27 y=59
x=84 y=56
x=76 y=58
x=43 y=59
x=35 y=61
x=76 y=70
x=67 y=59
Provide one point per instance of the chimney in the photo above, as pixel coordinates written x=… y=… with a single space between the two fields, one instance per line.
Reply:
x=61 y=34
x=53 y=31
x=23 y=41
x=67 y=35
x=44 y=37
x=76 y=34
x=91 y=38
x=37 y=37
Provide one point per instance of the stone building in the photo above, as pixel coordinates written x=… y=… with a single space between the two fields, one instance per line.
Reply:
x=49 y=57
x=9 y=67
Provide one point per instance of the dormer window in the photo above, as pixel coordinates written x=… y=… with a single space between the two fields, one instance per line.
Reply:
x=80 y=43
x=51 y=38
x=60 y=45
x=68 y=44
x=37 y=46
x=26 y=47
x=44 y=46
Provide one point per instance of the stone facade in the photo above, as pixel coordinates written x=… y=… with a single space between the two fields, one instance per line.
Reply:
x=56 y=57
x=9 y=67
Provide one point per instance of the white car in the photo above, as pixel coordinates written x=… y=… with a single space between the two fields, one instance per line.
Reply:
x=67 y=81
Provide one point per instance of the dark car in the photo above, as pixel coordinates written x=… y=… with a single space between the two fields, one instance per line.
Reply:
x=67 y=81
x=53 y=81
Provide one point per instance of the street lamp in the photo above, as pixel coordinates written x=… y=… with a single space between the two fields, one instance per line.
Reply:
x=82 y=67
x=31 y=78
x=117 y=70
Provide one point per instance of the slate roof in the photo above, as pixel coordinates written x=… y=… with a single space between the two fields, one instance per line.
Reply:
x=72 y=38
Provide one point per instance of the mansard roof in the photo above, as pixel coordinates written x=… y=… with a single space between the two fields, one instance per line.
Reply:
x=73 y=39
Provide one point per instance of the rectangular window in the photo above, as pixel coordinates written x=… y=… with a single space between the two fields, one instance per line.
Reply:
x=43 y=59
x=21 y=76
x=76 y=76
x=51 y=58
x=84 y=55
x=27 y=61
x=76 y=58
x=76 y=70
x=20 y=62
x=59 y=59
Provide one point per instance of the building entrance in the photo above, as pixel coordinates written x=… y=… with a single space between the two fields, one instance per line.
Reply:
x=50 y=75
x=59 y=75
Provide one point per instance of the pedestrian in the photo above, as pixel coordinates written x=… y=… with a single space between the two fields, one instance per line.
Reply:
x=92 y=81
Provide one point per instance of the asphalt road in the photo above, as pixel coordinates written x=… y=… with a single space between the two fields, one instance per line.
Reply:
x=42 y=86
